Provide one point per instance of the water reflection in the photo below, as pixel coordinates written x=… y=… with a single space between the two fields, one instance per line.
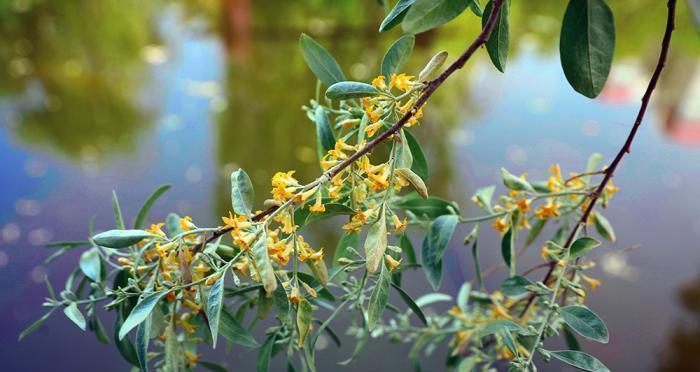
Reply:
x=684 y=341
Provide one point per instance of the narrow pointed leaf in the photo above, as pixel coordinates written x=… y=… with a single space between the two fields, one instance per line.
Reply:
x=143 y=212
x=396 y=15
x=34 y=326
x=434 y=246
x=580 y=360
x=304 y=315
x=140 y=312
x=497 y=44
x=214 y=304
x=411 y=304
x=379 y=297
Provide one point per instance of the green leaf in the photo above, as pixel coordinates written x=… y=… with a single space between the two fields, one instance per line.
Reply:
x=241 y=192
x=263 y=264
x=120 y=238
x=74 y=314
x=497 y=44
x=350 y=89
x=432 y=66
x=379 y=297
x=580 y=360
x=582 y=246
x=420 y=164
x=411 y=304
x=304 y=316
x=475 y=7
x=321 y=63
x=407 y=248
x=33 y=327
x=397 y=55
x=483 y=197
x=174 y=358
x=214 y=367
x=570 y=338
x=515 y=183
x=140 y=312
x=477 y=262
x=142 y=337
x=429 y=208
x=325 y=140
x=414 y=180
x=279 y=297
x=265 y=354
x=515 y=286
x=396 y=15
x=118 y=219
x=603 y=227
x=501 y=325
x=587 y=45
x=376 y=242
x=124 y=345
x=428 y=14
x=404 y=158
x=143 y=212
x=349 y=239
x=585 y=322
x=213 y=310
x=463 y=296
x=233 y=331
x=172 y=224
x=434 y=246
x=507 y=248
x=95 y=325
x=90 y=264
x=432 y=298
x=85 y=243
x=332 y=209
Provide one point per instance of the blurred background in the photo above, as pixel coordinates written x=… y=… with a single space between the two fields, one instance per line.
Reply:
x=128 y=95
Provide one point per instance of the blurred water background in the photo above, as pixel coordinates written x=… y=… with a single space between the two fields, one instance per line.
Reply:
x=128 y=95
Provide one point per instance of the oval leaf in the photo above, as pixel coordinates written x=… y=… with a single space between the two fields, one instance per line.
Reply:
x=434 y=246
x=140 y=312
x=428 y=14
x=497 y=44
x=90 y=264
x=376 y=242
x=350 y=89
x=241 y=192
x=582 y=246
x=379 y=297
x=580 y=360
x=415 y=181
x=585 y=322
x=120 y=238
x=73 y=313
x=263 y=265
x=304 y=315
x=397 y=55
x=587 y=44
x=321 y=63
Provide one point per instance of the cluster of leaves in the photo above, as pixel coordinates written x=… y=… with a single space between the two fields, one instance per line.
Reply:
x=186 y=286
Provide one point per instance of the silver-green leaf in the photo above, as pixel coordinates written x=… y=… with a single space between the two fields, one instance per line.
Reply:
x=241 y=192
x=120 y=238
x=434 y=246
x=350 y=89
x=320 y=61
x=585 y=322
x=397 y=55
x=580 y=360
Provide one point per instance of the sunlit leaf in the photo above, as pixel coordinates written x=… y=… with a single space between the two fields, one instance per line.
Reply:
x=376 y=242
x=350 y=89
x=241 y=192
x=90 y=264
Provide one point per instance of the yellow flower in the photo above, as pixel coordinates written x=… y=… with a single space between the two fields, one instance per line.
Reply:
x=398 y=224
x=501 y=225
x=379 y=82
x=371 y=129
x=191 y=358
x=378 y=177
x=156 y=229
x=393 y=264
x=523 y=205
x=551 y=209
x=186 y=223
x=295 y=296
x=309 y=290
x=593 y=283
x=318 y=206
x=400 y=81
x=610 y=189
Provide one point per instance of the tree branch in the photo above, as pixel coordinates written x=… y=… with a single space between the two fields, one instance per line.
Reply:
x=626 y=147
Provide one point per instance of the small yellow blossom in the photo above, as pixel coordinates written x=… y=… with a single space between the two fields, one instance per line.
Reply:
x=318 y=206
x=393 y=264
x=501 y=225
x=379 y=82
x=401 y=82
x=593 y=283
x=191 y=358
x=398 y=224
x=156 y=229
x=309 y=290
x=186 y=223
x=551 y=209
x=371 y=129
x=523 y=205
